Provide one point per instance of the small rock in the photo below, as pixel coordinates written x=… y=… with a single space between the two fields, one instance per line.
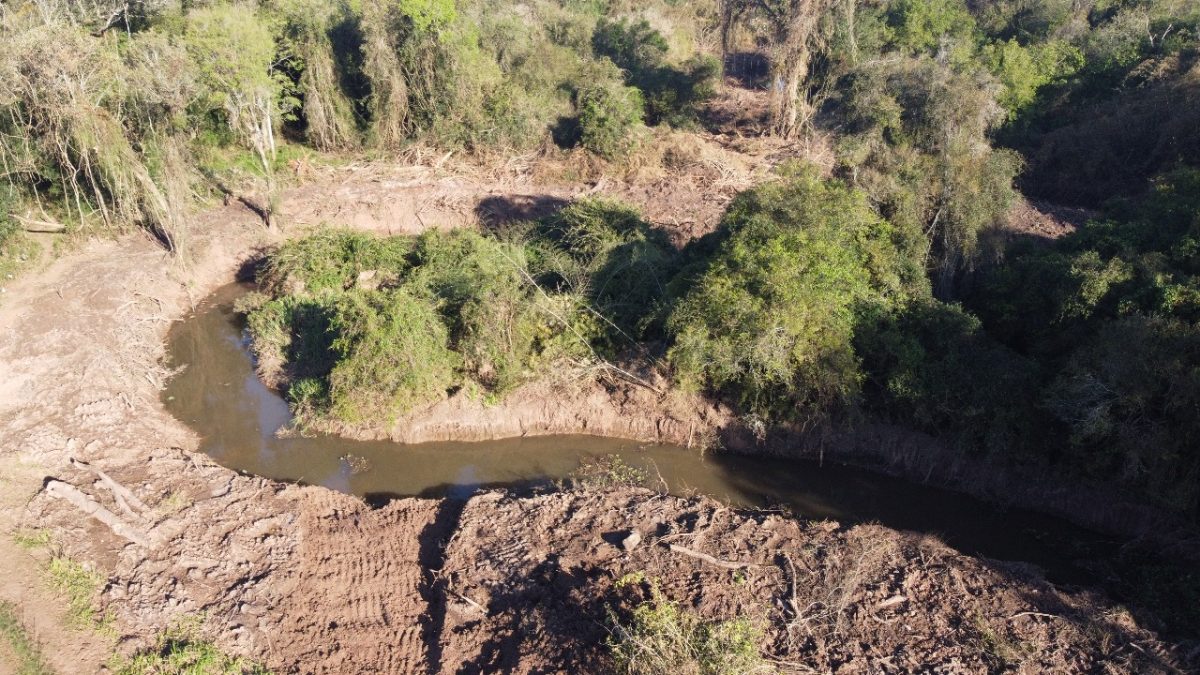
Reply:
x=367 y=281
x=631 y=541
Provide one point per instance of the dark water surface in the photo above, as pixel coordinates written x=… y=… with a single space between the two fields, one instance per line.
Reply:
x=218 y=395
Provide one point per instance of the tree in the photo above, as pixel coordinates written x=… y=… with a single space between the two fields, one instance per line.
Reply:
x=234 y=54
x=794 y=27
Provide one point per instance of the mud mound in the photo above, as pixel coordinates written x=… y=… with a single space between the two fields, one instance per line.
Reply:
x=528 y=584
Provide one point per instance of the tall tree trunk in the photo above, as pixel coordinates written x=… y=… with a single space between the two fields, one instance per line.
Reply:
x=796 y=31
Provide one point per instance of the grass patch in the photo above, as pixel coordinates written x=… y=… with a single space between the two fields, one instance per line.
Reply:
x=79 y=585
x=660 y=637
x=180 y=650
x=28 y=659
x=31 y=539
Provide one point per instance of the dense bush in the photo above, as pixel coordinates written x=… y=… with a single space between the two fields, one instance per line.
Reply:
x=916 y=141
x=391 y=353
x=770 y=319
x=930 y=365
x=362 y=329
x=1110 y=313
x=609 y=118
x=606 y=252
x=671 y=93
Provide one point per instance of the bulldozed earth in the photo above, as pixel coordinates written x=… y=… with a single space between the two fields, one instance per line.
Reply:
x=305 y=579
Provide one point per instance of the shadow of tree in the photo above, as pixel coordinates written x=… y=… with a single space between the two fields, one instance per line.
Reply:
x=496 y=211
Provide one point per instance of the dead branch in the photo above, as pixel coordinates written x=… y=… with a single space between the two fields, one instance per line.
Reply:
x=1040 y=614
x=480 y=608
x=708 y=558
x=72 y=495
x=118 y=16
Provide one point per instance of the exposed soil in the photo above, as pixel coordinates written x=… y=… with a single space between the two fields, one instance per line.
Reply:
x=604 y=405
x=308 y=580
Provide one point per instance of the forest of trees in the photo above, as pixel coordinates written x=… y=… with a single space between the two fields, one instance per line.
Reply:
x=885 y=288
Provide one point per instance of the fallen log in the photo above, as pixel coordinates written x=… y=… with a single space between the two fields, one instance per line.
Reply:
x=123 y=495
x=76 y=498
x=39 y=226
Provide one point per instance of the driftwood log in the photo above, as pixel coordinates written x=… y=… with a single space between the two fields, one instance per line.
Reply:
x=42 y=226
x=130 y=503
x=73 y=496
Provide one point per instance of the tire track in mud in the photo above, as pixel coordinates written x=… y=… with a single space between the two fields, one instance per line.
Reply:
x=435 y=539
x=360 y=598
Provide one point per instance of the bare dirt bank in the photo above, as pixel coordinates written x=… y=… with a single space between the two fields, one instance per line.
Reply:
x=308 y=580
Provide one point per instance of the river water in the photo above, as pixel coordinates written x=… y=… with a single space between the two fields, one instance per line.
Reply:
x=217 y=394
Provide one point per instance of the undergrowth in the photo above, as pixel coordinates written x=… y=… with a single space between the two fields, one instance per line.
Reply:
x=181 y=651
x=658 y=636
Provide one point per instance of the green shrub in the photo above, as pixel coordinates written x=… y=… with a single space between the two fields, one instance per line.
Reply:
x=769 y=321
x=331 y=260
x=917 y=142
x=614 y=257
x=671 y=93
x=633 y=46
x=233 y=52
x=929 y=364
x=610 y=116
x=660 y=637
x=505 y=329
x=1025 y=70
x=1110 y=312
x=392 y=353
x=294 y=330
x=434 y=313
x=922 y=25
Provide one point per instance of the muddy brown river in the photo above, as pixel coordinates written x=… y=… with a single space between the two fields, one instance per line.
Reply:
x=217 y=394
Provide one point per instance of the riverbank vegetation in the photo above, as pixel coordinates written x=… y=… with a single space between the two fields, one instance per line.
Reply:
x=116 y=115
x=889 y=287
